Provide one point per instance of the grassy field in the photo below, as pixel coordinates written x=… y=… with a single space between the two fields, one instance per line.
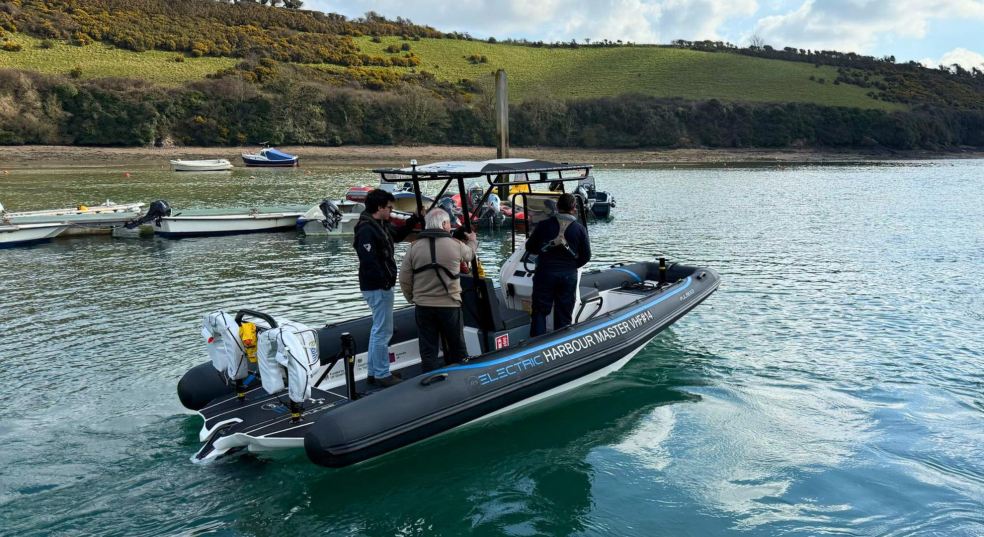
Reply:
x=663 y=72
x=98 y=60
x=560 y=73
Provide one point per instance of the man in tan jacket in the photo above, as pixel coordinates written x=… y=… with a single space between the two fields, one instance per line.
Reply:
x=429 y=280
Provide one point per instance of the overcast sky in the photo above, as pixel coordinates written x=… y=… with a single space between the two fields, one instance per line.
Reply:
x=930 y=31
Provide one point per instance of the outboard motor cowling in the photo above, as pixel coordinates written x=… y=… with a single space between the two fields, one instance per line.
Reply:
x=158 y=209
x=291 y=349
x=333 y=216
x=225 y=350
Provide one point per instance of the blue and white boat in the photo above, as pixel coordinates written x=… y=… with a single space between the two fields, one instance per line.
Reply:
x=270 y=157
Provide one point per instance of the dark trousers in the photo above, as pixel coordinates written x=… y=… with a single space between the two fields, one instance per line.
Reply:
x=434 y=325
x=552 y=291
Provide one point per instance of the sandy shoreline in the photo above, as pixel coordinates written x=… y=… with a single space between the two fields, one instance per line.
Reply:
x=43 y=156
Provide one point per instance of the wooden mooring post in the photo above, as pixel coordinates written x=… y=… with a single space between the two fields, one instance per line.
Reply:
x=502 y=121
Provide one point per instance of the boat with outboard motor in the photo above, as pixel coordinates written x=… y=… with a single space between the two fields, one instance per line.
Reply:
x=206 y=222
x=599 y=202
x=327 y=404
x=331 y=217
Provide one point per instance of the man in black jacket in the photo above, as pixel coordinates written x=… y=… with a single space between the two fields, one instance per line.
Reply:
x=374 y=240
x=561 y=246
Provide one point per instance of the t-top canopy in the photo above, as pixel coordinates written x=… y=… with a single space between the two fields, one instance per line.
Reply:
x=470 y=168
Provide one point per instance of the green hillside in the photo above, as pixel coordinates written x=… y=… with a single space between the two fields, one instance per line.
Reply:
x=98 y=60
x=561 y=73
x=589 y=72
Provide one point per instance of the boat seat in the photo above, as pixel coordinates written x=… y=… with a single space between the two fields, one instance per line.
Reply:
x=493 y=315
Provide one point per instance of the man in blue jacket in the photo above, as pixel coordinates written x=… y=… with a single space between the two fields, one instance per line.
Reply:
x=374 y=240
x=561 y=246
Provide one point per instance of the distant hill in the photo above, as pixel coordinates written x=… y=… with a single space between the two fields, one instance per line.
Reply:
x=335 y=78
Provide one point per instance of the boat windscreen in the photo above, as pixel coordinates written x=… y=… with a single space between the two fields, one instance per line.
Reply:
x=538 y=205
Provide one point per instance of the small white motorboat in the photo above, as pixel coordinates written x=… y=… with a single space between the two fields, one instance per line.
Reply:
x=24 y=234
x=210 y=165
x=81 y=219
x=205 y=222
x=331 y=217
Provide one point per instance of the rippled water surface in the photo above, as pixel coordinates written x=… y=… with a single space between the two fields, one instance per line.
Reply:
x=833 y=385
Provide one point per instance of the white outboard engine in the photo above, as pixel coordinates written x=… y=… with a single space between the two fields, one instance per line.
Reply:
x=158 y=209
x=292 y=348
x=225 y=349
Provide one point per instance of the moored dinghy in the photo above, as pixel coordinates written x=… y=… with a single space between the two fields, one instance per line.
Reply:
x=343 y=420
x=204 y=222
x=208 y=165
x=81 y=219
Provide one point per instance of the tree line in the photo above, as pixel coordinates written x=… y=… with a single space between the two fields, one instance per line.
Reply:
x=283 y=106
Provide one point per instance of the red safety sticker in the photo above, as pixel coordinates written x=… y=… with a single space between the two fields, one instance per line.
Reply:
x=501 y=341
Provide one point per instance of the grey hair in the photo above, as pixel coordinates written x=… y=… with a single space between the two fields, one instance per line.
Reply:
x=436 y=218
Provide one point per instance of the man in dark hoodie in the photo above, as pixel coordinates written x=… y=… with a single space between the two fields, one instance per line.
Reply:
x=374 y=240
x=561 y=246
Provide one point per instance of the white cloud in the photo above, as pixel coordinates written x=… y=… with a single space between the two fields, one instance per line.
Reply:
x=855 y=25
x=960 y=56
x=641 y=21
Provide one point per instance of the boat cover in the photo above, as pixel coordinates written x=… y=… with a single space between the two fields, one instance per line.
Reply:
x=291 y=346
x=504 y=165
x=273 y=154
x=224 y=346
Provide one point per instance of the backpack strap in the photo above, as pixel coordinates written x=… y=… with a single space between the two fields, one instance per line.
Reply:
x=560 y=241
x=435 y=266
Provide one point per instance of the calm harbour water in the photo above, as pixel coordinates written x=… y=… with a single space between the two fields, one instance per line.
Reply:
x=833 y=385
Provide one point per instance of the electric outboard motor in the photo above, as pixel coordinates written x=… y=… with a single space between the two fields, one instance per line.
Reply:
x=158 y=209
x=221 y=332
x=292 y=349
x=333 y=216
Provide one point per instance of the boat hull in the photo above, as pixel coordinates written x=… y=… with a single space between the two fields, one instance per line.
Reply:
x=216 y=165
x=337 y=431
x=200 y=226
x=92 y=220
x=445 y=399
x=316 y=228
x=264 y=163
x=24 y=235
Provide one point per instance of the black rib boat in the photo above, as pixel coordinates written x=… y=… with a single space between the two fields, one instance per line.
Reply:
x=343 y=420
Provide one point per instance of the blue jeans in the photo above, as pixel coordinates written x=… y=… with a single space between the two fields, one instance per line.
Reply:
x=381 y=304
